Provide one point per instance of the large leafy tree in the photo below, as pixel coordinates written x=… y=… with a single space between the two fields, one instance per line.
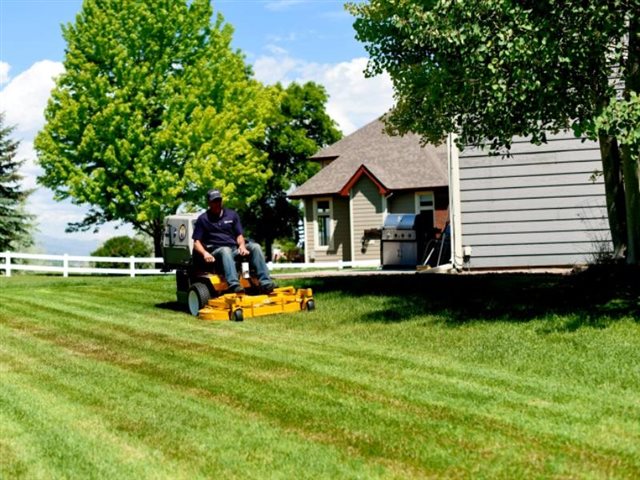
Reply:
x=153 y=109
x=15 y=224
x=493 y=69
x=298 y=129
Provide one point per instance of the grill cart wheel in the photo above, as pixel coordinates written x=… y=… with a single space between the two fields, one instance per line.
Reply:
x=198 y=297
x=237 y=315
x=311 y=305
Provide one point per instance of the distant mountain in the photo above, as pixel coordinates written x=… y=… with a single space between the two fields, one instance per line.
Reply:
x=60 y=246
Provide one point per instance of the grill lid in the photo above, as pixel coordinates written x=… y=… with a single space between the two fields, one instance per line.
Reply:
x=401 y=221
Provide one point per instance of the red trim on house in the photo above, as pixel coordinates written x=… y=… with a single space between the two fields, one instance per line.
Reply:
x=362 y=170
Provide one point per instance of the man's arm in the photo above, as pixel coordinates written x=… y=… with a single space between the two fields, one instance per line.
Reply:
x=242 y=246
x=199 y=247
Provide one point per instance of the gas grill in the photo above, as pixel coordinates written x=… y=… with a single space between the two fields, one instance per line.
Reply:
x=402 y=235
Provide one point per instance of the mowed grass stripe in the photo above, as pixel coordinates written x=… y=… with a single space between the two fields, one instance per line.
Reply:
x=187 y=430
x=415 y=412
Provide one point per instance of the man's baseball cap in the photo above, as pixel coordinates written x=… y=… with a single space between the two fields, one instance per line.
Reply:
x=213 y=195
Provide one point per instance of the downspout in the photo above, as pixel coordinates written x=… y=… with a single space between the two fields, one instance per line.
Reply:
x=351 y=228
x=306 y=230
x=454 y=202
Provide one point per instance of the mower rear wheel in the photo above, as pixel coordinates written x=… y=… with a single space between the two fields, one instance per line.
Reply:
x=198 y=297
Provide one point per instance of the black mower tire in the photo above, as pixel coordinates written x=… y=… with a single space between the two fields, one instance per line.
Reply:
x=198 y=297
x=237 y=315
x=311 y=305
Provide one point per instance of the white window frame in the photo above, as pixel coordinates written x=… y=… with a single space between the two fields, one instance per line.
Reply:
x=316 y=229
x=418 y=209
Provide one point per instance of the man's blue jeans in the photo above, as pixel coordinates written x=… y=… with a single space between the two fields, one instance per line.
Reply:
x=227 y=257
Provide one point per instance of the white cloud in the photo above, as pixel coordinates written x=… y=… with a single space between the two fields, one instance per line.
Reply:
x=25 y=97
x=354 y=100
x=272 y=69
x=23 y=100
x=4 y=72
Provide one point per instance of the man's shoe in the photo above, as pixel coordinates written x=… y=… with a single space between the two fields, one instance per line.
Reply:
x=267 y=287
x=237 y=289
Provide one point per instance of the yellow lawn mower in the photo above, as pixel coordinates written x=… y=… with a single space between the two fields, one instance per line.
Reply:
x=203 y=292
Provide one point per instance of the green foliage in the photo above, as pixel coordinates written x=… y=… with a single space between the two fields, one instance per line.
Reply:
x=121 y=246
x=153 y=109
x=297 y=130
x=291 y=252
x=16 y=225
x=494 y=69
x=621 y=119
x=405 y=376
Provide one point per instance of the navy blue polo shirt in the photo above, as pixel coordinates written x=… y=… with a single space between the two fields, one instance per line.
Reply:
x=218 y=231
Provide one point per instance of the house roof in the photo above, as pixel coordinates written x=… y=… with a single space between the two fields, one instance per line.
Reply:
x=397 y=162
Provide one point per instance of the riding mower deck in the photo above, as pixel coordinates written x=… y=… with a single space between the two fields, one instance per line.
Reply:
x=203 y=292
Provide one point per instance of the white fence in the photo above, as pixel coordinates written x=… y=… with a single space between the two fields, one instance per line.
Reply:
x=72 y=264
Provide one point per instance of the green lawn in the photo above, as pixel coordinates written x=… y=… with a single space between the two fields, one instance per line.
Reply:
x=492 y=376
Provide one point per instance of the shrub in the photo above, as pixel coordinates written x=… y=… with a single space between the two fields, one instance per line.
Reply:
x=122 y=246
x=290 y=252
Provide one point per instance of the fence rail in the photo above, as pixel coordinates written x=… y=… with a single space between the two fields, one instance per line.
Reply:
x=74 y=264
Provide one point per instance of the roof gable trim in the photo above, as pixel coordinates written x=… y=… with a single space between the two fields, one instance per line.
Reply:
x=362 y=170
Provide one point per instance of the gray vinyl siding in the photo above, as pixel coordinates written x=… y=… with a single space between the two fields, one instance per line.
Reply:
x=340 y=246
x=367 y=213
x=402 y=202
x=538 y=207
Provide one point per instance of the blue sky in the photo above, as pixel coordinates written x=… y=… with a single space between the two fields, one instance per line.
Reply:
x=284 y=40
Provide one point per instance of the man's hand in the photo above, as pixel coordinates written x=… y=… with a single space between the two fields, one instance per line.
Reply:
x=208 y=257
x=242 y=250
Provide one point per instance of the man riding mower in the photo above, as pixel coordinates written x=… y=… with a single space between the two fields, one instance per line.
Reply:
x=206 y=251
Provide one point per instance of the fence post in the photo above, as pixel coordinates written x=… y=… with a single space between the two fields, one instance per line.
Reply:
x=65 y=265
x=7 y=260
x=340 y=264
x=132 y=266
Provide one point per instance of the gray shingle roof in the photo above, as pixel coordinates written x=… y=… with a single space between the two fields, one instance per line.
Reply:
x=399 y=163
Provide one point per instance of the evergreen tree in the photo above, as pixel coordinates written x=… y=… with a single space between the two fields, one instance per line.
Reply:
x=15 y=224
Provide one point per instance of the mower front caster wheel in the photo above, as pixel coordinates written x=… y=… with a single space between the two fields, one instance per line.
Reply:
x=311 y=305
x=237 y=315
x=199 y=296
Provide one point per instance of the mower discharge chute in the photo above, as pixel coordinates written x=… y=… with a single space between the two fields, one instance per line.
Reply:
x=204 y=292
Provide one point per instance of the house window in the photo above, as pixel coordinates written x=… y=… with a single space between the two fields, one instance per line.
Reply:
x=323 y=222
x=424 y=202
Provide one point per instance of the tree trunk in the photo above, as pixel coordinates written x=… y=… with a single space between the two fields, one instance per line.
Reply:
x=631 y=160
x=615 y=194
x=158 y=231
x=631 y=172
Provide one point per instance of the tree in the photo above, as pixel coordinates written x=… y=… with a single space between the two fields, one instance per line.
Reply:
x=153 y=109
x=298 y=129
x=490 y=70
x=15 y=224
x=121 y=246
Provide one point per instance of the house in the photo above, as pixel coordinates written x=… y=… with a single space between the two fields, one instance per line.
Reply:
x=541 y=206
x=364 y=177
